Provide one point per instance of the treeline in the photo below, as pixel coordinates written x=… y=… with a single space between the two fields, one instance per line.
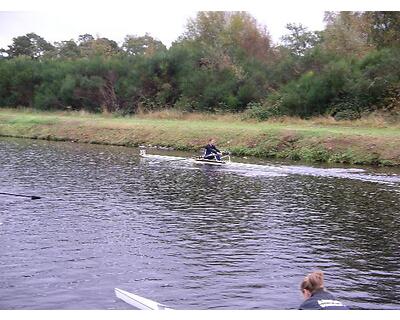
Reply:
x=223 y=62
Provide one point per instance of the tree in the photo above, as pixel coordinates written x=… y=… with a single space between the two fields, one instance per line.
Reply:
x=232 y=33
x=30 y=45
x=67 y=49
x=299 y=40
x=3 y=53
x=346 y=33
x=147 y=45
x=226 y=62
x=243 y=32
x=85 y=38
x=384 y=28
x=18 y=78
x=104 y=47
x=90 y=47
x=206 y=28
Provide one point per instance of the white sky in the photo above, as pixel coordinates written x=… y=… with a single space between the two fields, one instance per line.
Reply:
x=164 y=20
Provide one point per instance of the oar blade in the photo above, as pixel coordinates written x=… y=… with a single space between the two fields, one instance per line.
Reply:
x=19 y=195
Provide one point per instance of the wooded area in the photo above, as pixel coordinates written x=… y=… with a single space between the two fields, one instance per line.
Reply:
x=223 y=62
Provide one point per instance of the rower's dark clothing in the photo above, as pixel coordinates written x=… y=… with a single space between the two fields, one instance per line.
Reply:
x=210 y=151
x=322 y=300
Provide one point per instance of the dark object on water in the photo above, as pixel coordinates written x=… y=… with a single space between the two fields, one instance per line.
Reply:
x=20 y=195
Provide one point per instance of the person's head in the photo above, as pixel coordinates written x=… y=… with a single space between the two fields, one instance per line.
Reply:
x=211 y=141
x=311 y=283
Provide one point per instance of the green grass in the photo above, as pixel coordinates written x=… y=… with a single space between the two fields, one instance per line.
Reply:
x=11 y=116
x=316 y=140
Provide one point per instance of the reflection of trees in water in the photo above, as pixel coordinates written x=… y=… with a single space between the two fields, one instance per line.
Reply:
x=205 y=193
x=212 y=208
x=220 y=225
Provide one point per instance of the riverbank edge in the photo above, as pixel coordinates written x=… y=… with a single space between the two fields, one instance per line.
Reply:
x=241 y=140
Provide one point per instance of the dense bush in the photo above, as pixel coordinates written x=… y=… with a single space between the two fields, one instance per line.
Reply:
x=224 y=62
x=262 y=111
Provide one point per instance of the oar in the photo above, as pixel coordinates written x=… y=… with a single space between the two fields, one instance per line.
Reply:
x=20 y=195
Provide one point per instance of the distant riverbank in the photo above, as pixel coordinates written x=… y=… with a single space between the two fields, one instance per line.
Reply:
x=310 y=141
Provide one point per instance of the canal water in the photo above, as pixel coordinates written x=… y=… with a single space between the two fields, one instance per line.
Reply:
x=190 y=236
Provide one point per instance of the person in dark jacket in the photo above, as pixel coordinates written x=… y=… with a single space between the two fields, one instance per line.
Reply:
x=211 y=151
x=315 y=295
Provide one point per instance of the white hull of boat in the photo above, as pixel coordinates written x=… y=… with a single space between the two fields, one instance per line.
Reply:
x=208 y=161
x=138 y=301
x=198 y=160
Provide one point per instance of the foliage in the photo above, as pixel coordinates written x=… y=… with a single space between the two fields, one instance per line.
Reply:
x=31 y=45
x=347 y=34
x=146 y=44
x=384 y=28
x=262 y=112
x=312 y=92
x=18 y=79
x=299 y=40
x=223 y=62
x=345 y=109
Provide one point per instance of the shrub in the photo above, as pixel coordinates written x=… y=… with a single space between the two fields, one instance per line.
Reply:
x=314 y=154
x=345 y=109
x=262 y=111
x=186 y=104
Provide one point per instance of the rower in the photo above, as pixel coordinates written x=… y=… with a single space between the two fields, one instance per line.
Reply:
x=315 y=295
x=142 y=151
x=211 y=152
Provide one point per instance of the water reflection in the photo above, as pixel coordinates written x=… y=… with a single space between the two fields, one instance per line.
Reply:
x=192 y=237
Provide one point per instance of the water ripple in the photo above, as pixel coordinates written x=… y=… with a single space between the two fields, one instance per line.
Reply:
x=193 y=237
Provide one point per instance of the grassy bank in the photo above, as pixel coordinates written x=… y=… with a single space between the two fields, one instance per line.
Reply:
x=318 y=140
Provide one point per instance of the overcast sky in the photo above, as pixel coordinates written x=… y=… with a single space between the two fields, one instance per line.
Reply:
x=164 y=20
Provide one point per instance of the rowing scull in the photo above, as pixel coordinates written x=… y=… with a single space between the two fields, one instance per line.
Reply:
x=200 y=160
